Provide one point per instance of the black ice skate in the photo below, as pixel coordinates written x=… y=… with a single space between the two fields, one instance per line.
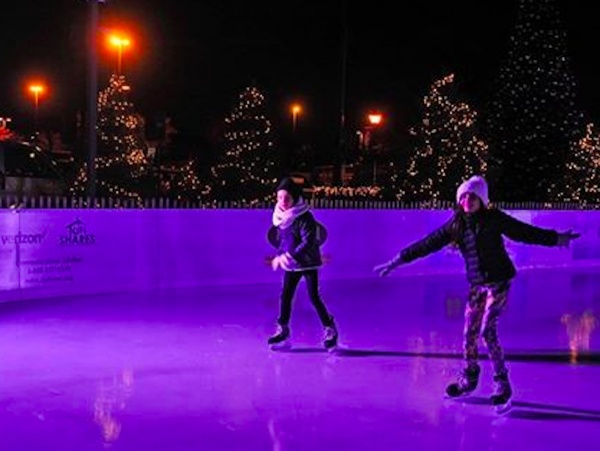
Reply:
x=281 y=339
x=501 y=398
x=330 y=341
x=466 y=383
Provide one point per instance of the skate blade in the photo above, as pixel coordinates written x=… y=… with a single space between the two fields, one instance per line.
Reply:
x=457 y=397
x=334 y=348
x=283 y=346
x=501 y=409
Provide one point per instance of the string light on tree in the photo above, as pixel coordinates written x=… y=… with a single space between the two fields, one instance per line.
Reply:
x=447 y=148
x=583 y=170
x=354 y=192
x=189 y=186
x=248 y=169
x=533 y=117
x=122 y=166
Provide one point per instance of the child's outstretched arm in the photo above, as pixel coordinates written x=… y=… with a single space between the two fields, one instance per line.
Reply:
x=433 y=242
x=526 y=233
x=564 y=239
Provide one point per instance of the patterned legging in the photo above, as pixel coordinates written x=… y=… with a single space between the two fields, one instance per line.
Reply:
x=485 y=304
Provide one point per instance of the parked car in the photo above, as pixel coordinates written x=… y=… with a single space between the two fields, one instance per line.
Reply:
x=25 y=169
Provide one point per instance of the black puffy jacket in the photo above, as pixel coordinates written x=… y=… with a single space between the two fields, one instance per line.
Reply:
x=300 y=240
x=481 y=243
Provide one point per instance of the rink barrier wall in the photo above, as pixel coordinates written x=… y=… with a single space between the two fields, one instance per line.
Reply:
x=49 y=252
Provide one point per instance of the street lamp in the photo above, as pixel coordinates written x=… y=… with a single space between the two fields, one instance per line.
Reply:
x=119 y=42
x=36 y=89
x=375 y=120
x=296 y=109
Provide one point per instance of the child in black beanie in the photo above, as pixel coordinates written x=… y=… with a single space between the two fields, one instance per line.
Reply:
x=299 y=256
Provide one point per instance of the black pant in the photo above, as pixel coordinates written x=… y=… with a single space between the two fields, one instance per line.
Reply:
x=290 y=283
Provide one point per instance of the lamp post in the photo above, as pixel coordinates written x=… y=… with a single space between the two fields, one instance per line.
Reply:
x=296 y=110
x=36 y=90
x=120 y=43
x=375 y=118
x=374 y=121
x=92 y=117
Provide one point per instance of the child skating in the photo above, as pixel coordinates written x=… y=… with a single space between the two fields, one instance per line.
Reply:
x=299 y=256
x=477 y=229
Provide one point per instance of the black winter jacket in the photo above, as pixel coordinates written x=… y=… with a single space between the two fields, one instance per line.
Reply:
x=480 y=241
x=300 y=241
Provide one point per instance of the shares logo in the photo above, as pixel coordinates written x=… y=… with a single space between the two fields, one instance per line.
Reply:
x=77 y=235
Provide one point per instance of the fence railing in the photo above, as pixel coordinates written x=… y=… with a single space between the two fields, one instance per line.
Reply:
x=9 y=201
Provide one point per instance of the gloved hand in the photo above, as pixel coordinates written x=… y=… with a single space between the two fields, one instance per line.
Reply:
x=564 y=239
x=387 y=267
x=283 y=261
x=286 y=260
x=276 y=262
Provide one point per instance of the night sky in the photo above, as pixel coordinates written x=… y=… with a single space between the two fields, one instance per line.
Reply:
x=191 y=59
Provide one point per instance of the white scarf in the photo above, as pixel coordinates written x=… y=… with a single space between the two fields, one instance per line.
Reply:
x=284 y=218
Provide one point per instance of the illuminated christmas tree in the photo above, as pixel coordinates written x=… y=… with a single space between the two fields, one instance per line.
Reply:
x=183 y=183
x=249 y=168
x=447 y=149
x=582 y=181
x=532 y=118
x=121 y=165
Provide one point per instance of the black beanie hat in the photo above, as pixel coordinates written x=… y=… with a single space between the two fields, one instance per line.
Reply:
x=291 y=187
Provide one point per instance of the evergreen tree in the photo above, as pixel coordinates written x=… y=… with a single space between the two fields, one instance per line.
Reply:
x=532 y=119
x=122 y=170
x=447 y=149
x=185 y=185
x=582 y=182
x=249 y=167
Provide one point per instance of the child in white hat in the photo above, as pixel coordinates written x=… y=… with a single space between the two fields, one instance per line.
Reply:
x=477 y=230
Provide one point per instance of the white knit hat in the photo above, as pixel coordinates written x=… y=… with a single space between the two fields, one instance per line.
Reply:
x=476 y=185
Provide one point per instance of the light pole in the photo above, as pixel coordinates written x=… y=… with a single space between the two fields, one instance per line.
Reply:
x=374 y=120
x=342 y=153
x=92 y=118
x=120 y=43
x=296 y=110
x=36 y=90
